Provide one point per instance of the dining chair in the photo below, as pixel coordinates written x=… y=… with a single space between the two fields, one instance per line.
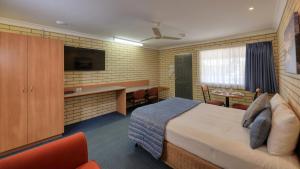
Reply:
x=245 y=107
x=138 y=97
x=205 y=91
x=152 y=95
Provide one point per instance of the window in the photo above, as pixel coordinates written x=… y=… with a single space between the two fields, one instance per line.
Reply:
x=223 y=67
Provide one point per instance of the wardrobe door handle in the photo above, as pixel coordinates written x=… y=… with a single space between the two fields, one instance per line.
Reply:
x=31 y=89
x=24 y=90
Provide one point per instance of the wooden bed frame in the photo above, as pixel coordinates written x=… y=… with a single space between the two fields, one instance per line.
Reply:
x=178 y=158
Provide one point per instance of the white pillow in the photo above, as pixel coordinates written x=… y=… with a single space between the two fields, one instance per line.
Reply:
x=284 y=133
x=277 y=100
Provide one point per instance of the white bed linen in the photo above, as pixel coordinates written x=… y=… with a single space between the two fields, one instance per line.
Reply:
x=215 y=134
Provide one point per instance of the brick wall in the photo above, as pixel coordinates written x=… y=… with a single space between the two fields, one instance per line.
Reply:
x=289 y=84
x=167 y=60
x=123 y=63
x=126 y=63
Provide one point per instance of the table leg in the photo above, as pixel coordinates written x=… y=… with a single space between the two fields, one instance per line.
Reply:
x=121 y=101
x=227 y=102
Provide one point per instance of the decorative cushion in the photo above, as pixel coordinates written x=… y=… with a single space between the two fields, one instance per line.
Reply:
x=254 y=109
x=277 y=100
x=260 y=128
x=284 y=133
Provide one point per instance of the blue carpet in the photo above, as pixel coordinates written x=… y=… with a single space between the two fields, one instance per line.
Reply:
x=108 y=143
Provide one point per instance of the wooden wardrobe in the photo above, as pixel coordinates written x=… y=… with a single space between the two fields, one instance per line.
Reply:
x=31 y=90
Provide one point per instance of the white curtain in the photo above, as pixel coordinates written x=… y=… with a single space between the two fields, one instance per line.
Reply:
x=223 y=67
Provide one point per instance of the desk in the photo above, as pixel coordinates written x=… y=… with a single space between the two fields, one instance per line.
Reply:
x=121 y=95
x=120 y=88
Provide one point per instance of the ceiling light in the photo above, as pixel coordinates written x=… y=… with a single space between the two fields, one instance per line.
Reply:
x=58 y=22
x=125 y=41
x=251 y=8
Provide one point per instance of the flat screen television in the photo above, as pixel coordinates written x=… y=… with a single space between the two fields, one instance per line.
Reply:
x=81 y=59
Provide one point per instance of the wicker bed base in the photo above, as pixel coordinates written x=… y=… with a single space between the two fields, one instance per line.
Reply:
x=178 y=158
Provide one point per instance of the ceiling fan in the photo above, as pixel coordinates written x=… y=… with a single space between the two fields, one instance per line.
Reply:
x=158 y=35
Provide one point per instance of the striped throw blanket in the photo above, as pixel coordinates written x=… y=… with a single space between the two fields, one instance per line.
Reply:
x=147 y=123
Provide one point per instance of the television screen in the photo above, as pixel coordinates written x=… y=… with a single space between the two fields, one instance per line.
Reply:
x=80 y=59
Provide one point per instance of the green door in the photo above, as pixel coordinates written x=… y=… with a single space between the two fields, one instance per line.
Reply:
x=183 y=76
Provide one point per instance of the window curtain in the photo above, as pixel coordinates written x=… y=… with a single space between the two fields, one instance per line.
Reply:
x=223 y=67
x=260 y=70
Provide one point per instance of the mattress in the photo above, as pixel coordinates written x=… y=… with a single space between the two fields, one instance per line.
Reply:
x=215 y=134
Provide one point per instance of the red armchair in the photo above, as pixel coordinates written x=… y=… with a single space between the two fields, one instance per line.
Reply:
x=66 y=153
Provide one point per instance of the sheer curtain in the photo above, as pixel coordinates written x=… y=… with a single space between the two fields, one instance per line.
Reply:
x=223 y=67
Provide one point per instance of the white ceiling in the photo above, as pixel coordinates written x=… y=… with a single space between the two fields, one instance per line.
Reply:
x=200 y=20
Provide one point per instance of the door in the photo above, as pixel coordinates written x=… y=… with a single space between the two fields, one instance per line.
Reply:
x=183 y=76
x=45 y=82
x=13 y=91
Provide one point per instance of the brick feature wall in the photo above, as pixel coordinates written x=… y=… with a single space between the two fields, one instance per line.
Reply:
x=86 y=107
x=167 y=60
x=289 y=84
x=123 y=63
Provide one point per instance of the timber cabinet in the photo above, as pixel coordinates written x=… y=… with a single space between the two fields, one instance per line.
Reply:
x=31 y=90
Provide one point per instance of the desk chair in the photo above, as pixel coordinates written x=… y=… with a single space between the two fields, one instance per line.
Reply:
x=245 y=107
x=138 y=97
x=205 y=91
x=152 y=95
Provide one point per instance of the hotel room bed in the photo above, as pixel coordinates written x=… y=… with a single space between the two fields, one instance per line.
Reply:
x=204 y=137
x=215 y=134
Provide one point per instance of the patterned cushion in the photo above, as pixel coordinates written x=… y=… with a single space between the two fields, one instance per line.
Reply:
x=254 y=109
x=260 y=128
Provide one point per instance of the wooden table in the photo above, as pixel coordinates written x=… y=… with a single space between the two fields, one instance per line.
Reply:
x=227 y=94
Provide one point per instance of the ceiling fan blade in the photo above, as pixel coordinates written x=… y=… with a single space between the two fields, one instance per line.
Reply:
x=156 y=32
x=147 y=39
x=170 y=37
